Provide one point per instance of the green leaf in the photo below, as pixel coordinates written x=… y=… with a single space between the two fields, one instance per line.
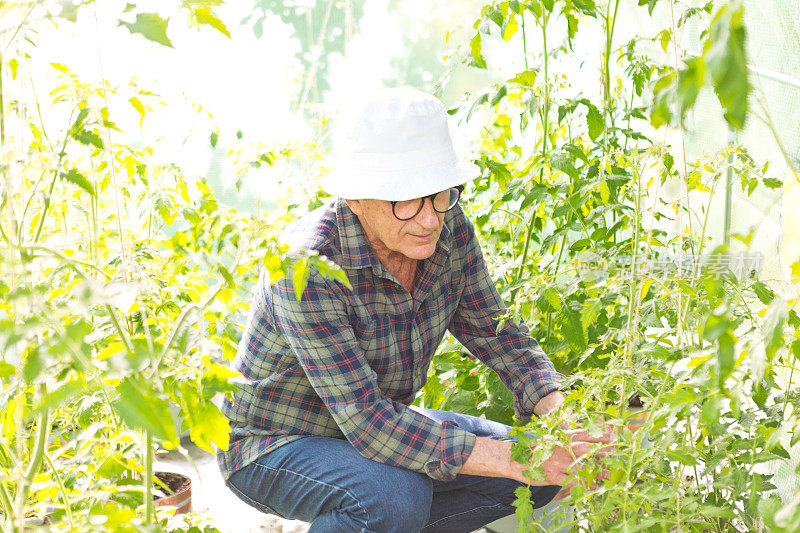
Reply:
x=210 y=426
x=651 y=4
x=565 y=164
x=510 y=28
x=213 y=138
x=662 y=93
x=524 y=508
x=763 y=292
x=605 y=192
x=204 y=420
x=773 y=183
x=151 y=26
x=795 y=271
x=13 y=64
x=141 y=407
x=76 y=178
x=713 y=511
x=329 y=270
x=204 y=15
x=300 y=273
x=88 y=138
x=33 y=365
x=715 y=326
x=78 y=124
x=725 y=357
x=690 y=80
x=216 y=378
x=137 y=105
x=69 y=11
x=226 y=275
x=63 y=395
x=6 y=370
x=596 y=123
x=553 y=298
x=665 y=37
x=725 y=54
x=572 y=330
x=475 y=51
x=499 y=171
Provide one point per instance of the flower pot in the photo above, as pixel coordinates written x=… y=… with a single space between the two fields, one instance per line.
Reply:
x=638 y=416
x=179 y=494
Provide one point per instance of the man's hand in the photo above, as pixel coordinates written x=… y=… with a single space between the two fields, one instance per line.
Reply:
x=492 y=457
x=558 y=467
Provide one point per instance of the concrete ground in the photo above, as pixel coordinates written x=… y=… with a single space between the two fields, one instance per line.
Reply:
x=213 y=500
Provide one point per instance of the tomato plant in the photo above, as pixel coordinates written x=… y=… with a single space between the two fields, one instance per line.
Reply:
x=631 y=291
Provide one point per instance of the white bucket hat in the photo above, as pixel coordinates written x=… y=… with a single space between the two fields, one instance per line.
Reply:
x=397 y=146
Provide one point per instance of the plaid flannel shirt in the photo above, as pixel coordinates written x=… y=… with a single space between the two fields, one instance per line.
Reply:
x=347 y=363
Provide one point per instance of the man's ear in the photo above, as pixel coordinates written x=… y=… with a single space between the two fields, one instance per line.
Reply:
x=355 y=206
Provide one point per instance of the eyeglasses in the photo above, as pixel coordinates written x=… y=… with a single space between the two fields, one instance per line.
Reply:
x=442 y=201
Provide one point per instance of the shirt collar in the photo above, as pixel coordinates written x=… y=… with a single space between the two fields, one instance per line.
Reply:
x=356 y=251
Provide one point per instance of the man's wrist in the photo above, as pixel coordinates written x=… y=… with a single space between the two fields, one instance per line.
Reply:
x=548 y=403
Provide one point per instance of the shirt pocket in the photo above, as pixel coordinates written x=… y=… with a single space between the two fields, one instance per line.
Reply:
x=377 y=339
x=448 y=295
x=373 y=337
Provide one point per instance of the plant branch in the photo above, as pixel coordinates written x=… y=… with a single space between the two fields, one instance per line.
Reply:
x=5 y=501
x=62 y=490
x=188 y=310
x=61 y=155
x=148 y=478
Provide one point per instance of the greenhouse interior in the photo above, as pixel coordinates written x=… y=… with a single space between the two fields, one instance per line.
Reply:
x=217 y=254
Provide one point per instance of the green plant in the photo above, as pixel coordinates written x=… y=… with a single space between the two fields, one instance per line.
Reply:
x=122 y=290
x=582 y=241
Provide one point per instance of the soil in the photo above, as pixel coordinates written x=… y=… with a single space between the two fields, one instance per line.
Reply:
x=174 y=482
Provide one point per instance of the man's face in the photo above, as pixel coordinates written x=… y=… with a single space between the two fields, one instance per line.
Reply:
x=415 y=238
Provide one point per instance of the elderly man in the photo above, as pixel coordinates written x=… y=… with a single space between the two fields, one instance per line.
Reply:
x=322 y=427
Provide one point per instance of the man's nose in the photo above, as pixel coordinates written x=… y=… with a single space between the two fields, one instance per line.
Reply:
x=428 y=217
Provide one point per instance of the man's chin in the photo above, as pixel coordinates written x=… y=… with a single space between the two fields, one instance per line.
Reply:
x=420 y=252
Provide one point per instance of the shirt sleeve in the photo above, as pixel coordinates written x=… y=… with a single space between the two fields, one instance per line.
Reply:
x=516 y=357
x=320 y=333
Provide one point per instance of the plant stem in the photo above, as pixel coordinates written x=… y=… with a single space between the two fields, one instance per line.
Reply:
x=59 y=154
x=543 y=116
x=607 y=59
x=50 y=191
x=148 y=478
x=524 y=41
x=62 y=490
x=2 y=108
x=5 y=501
x=555 y=276
x=693 y=446
x=34 y=464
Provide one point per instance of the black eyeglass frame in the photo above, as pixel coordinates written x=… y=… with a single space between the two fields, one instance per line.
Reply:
x=459 y=188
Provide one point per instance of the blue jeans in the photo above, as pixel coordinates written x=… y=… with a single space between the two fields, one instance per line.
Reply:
x=326 y=482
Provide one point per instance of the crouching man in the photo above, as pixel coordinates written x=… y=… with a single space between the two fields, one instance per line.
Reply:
x=322 y=427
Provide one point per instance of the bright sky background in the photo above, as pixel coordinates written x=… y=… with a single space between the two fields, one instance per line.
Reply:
x=248 y=83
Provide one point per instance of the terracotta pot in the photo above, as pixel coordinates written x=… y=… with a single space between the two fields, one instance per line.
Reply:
x=180 y=487
x=637 y=418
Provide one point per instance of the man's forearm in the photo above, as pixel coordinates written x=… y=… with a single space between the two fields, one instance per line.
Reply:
x=492 y=458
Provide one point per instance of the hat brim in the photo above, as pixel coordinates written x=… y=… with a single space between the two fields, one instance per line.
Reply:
x=398 y=185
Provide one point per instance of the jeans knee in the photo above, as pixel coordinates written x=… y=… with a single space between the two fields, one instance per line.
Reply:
x=403 y=504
